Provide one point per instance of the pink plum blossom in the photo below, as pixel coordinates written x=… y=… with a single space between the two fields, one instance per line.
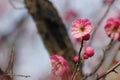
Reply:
x=112 y=28
x=85 y=56
x=81 y=27
x=59 y=64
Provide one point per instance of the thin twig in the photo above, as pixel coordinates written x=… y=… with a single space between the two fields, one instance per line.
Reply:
x=99 y=22
x=108 y=47
x=96 y=69
x=78 y=64
x=13 y=5
x=114 y=56
x=108 y=72
x=75 y=71
x=26 y=76
x=10 y=64
x=79 y=58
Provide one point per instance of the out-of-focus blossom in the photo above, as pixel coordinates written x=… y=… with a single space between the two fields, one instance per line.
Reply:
x=70 y=15
x=114 y=62
x=89 y=51
x=5 y=77
x=112 y=28
x=85 y=56
x=108 y=1
x=101 y=72
x=81 y=27
x=76 y=59
x=59 y=64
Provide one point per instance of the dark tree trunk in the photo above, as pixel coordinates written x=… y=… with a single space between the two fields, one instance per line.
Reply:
x=51 y=28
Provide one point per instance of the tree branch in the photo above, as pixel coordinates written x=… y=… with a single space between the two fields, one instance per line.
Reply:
x=108 y=72
x=51 y=29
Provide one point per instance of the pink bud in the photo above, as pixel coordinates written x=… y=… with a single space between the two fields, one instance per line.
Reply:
x=86 y=37
x=89 y=51
x=85 y=56
x=76 y=59
x=78 y=39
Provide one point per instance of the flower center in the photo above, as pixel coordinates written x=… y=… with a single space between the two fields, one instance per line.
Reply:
x=82 y=29
x=115 y=28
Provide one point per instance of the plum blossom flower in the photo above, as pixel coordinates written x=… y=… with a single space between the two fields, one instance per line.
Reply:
x=112 y=28
x=81 y=28
x=59 y=64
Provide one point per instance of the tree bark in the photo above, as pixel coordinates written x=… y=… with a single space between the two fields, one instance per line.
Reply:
x=51 y=28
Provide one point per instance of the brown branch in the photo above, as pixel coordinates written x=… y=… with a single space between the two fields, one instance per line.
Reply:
x=108 y=72
x=75 y=71
x=114 y=56
x=10 y=64
x=78 y=66
x=79 y=58
x=17 y=24
x=18 y=75
x=9 y=70
x=51 y=29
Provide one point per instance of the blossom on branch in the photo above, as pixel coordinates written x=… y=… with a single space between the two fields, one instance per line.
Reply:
x=59 y=64
x=89 y=52
x=112 y=28
x=81 y=28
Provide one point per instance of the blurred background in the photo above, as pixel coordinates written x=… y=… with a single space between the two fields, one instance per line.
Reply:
x=31 y=57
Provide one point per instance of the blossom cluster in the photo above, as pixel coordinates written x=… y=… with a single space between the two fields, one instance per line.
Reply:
x=81 y=29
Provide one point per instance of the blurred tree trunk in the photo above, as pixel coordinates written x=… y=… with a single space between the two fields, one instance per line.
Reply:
x=51 y=28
